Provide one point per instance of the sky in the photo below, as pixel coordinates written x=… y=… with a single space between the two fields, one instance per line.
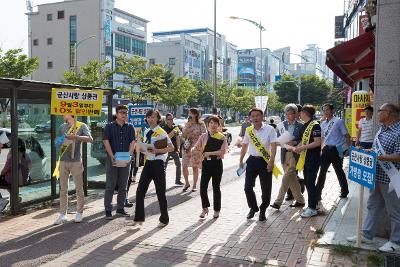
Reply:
x=293 y=23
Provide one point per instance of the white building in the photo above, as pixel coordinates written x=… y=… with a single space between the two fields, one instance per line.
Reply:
x=190 y=53
x=81 y=30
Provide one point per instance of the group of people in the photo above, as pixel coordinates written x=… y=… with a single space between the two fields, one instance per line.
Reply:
x=203 y=148
x=314 y=146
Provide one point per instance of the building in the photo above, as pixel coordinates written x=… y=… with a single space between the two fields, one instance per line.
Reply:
x=249 y=67
x=190 y=53
x=66 y=35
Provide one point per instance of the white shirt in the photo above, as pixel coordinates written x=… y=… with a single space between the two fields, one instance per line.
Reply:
x=266 y=134
x=366 y=127
x=151 y=156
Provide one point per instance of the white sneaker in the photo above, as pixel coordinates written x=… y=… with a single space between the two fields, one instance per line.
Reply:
x=62 y=218
x=389 y=247
x=162 y=225
x=135 y=223
x=308 y=212
x=78 y=217
x=3 y=203
x=216 y=214
x=353 y=239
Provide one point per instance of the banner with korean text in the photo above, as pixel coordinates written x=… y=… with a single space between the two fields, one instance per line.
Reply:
x=76 y=102
x=362 y=168
x=137 y=114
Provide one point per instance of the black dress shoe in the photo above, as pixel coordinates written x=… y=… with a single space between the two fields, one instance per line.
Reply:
x=275 y=206
x=343 y=194
x=289 y=195
x=296 y=204
x=262 y=217
x=122 y=213
x=128 y=204
x=251 y=213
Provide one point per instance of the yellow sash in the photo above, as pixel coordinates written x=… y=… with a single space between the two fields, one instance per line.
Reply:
x=218 y=135
x=261 y=149
x=304 y=141
x=73 y=129
x=172 y=133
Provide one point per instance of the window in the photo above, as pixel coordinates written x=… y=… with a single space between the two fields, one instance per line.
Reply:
x=72 y=40
x=49 y=17
x=35 y=42
x=49 y=41
x=49 y=64
x=171 y=61
x=122 y=43
x=152 y=61
x=60 y=14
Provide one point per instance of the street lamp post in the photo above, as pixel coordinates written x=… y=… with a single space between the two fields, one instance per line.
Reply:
x=214 y=111
x=76 y=50
x=261 y=28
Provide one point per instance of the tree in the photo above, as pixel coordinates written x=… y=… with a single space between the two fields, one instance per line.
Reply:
x=13 y=64
x=204 y=97
x=314 y=90
x=94 y=73
x=225 y=96
x=243 y=99
x=179 y=92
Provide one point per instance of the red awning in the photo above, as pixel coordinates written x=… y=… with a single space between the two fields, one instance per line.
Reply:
x=353 y=60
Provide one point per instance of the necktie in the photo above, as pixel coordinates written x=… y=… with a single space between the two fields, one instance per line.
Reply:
x=148 y=136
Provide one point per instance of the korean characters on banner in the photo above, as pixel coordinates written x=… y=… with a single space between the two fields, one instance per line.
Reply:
x=362 y=167
x=359 y=101
x=137 y=114
x=76 y=102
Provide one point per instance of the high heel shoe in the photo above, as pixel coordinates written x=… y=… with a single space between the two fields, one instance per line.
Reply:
x=185 y=188
x=204 y=213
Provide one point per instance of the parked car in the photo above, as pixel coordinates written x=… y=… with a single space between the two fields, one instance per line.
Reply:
x=43 y=127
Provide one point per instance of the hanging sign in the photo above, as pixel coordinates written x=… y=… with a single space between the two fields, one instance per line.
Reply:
x=76 y=102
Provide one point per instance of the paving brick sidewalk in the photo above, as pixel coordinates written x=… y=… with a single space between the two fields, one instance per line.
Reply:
x=231 y=240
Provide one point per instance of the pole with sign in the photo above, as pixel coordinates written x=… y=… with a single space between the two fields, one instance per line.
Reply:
x=362 y=170
x=261 y=102
x=137 y=116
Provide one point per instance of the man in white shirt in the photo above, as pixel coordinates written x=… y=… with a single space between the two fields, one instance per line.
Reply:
x=256 y=165
x=365 y=135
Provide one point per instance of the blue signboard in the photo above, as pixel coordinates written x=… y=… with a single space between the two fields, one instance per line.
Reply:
x=137 y=114
x=362 y=167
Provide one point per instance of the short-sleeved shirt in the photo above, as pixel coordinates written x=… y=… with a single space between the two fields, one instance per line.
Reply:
x=315 y=132
x=82 y=131
x=389 y=137
x=243 y=128
x=153 y=139
x=120 y=137
x=266 y=134
x=366 y=128
x=337 y=134
x=168 y=130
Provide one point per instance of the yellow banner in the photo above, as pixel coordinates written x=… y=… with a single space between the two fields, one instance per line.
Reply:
x=359 y=101
x=76 y=102
x=348 y=119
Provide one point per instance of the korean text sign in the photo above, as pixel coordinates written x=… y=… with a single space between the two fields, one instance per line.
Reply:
x=76 y=102
x=137 y=114
x=362 y=168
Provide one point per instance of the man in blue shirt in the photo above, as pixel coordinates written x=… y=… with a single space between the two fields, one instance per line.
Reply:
x=119 y=136
x=335 y=141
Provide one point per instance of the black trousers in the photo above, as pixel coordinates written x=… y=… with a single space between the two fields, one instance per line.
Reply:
x=256 y=166
x=175 y=156
x=132 y=172
x=310 y=172
x=152 y=170
x=211 y=168
x=330 y=156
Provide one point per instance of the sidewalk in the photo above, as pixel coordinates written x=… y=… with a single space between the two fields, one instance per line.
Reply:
x=285 y=239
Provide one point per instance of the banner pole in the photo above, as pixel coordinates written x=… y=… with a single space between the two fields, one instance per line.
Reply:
x=359 y=215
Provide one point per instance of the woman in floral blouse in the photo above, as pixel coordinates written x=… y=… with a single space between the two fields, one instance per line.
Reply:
x=191 y=133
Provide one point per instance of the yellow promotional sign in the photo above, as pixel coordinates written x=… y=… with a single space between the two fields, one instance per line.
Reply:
x=76 y=102
x=359 y=101
x=347 y=116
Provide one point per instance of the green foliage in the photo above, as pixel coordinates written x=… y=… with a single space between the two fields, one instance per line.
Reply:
x=375 y=259
x=94 y=73
x=314 y=90
x=243 y=99
x=13 y=64
x=204 y=96
x=343 y=249
x=179 y=92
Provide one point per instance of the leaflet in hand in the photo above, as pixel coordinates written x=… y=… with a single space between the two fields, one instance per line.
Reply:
x=122 y=159
x=240 y=171
x=285 y=138
x=144 y=146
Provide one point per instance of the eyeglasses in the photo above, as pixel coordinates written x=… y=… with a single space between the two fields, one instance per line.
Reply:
x=123 y=112
x=169 y=119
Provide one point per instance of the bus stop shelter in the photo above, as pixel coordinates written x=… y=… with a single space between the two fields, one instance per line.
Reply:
x=16 y=91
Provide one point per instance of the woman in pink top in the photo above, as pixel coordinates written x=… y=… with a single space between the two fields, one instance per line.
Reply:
x=212 y=146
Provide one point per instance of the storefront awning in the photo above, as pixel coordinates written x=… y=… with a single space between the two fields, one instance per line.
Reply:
x=353 y=60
